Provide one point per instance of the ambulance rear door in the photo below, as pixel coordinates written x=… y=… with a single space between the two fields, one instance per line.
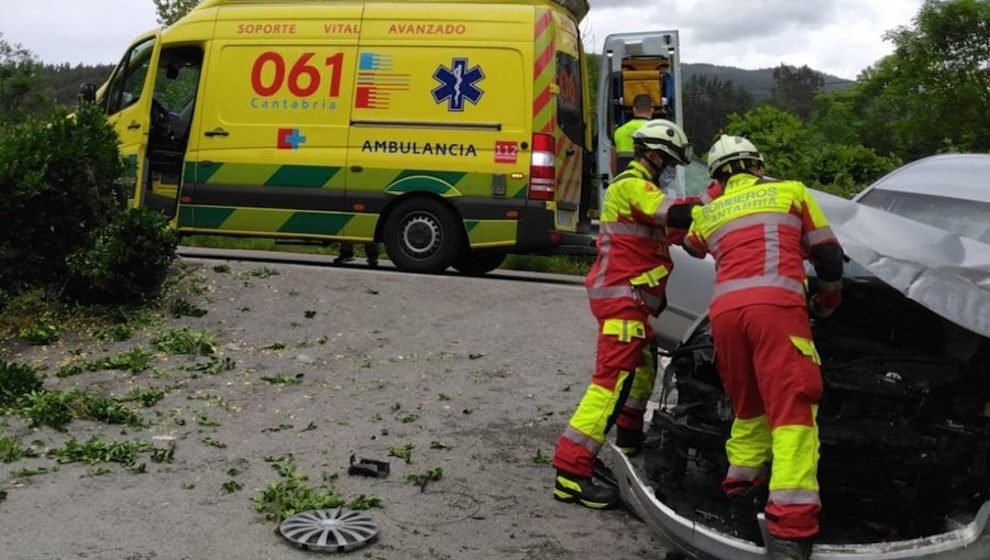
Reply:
x=632 y=63
x=571 y=128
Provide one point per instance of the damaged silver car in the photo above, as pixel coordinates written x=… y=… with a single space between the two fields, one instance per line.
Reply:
x=904 y=421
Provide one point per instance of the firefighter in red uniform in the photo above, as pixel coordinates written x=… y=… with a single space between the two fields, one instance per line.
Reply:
x=625 y=286
x=760 y=232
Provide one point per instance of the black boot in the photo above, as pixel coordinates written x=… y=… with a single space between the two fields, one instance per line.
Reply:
x=787 y=549
x=630 y=442
x=581 y=490
x=743 y=508
x=345 y=255
x=371 y=252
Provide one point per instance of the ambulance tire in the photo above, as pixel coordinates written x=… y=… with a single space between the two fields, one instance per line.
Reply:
x=422 y=235
x=476 y=263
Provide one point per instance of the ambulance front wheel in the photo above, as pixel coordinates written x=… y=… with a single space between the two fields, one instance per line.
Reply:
x=422 y=235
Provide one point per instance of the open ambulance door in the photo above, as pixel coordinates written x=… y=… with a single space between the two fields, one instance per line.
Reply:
x=173 y=117
x=127 y=101
x=634 y=64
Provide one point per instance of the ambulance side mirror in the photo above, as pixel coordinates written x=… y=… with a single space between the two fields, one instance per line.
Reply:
x=87 y=92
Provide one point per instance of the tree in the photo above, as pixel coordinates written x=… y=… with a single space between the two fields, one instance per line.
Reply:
x=22 y=84
x=708 y=102
x=794 y=89
x=170 y=11
x=933 y=92
x=794 y=150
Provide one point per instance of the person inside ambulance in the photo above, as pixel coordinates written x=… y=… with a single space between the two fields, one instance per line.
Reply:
x=760 y=232
x=623 y=149
x=625 y=287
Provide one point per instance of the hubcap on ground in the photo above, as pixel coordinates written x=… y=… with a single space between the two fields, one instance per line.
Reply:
x=329 y=530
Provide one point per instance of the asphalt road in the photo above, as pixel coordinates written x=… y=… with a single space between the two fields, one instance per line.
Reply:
x=478 y=375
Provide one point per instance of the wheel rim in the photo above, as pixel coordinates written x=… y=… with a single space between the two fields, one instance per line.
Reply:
x=422 y=236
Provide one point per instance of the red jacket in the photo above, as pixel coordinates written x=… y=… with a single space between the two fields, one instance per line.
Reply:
x=633 y=257
x=760 y=232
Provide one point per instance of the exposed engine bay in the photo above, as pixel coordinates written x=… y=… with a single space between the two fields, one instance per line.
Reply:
x=904 y=427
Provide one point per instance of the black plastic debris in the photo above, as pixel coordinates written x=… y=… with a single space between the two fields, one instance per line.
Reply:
x=368 y=467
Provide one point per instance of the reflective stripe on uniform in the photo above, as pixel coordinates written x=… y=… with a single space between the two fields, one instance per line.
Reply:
x=635 y=404
x=604 y=251
x=625 y=329
x=784 y=282
x=650 y=278
x=638 y=230
x=820 y=235
x=737 y=472
x=807 y=347
x=761 y=219
x=631 y=292
x=587 y=426
x=583 y=440
x=795 y=496
x=771 y=252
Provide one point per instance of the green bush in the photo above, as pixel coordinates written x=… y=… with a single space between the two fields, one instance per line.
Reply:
x=58 y=182
x=126 y=261
x=16 y=380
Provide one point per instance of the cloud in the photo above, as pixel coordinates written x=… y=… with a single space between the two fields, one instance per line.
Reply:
x=840 y=37
x=714 y=21
x=77 y=31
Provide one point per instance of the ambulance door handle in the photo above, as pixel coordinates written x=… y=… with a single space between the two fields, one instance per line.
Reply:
x=357 y=168
x=134 y=125
x=217 y=132
x=570 y=152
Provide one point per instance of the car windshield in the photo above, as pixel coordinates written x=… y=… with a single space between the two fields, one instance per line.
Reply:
x=968 y=218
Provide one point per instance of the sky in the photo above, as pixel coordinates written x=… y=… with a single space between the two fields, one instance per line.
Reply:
x=838 y=37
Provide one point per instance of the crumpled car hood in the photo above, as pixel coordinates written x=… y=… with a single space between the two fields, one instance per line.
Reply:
x=943 y=271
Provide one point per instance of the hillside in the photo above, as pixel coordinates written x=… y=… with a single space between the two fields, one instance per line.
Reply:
x=758 y=82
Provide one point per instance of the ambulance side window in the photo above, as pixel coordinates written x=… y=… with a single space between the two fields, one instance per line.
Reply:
x=127 y=83
x=569 y=103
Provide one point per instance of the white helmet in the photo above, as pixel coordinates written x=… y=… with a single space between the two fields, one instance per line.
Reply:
x=667 y=137
x=728 y=149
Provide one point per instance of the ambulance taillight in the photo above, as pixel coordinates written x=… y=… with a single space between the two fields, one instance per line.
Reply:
x=542 y=171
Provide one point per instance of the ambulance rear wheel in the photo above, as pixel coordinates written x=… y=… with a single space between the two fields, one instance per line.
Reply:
x=475 y=263
x=422 y=235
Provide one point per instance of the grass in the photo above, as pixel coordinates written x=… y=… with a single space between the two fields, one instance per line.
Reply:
x=56 y=409
x=17 y=380
x=555 y=264
x=10 y=450
x=198 y=342
x=147 y=397
x=133 y=361
x=214 y=365
x=403 y=452
x=293 y=493
x=38 y=317
x=575 y=265
x=283 y=379
x=96 y=450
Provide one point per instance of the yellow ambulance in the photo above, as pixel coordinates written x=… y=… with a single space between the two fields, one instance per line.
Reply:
x=452 y=132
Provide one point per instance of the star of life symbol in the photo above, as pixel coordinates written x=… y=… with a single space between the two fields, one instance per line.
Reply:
x=457 y=84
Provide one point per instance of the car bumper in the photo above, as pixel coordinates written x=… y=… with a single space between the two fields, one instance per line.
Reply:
x=966 y=542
